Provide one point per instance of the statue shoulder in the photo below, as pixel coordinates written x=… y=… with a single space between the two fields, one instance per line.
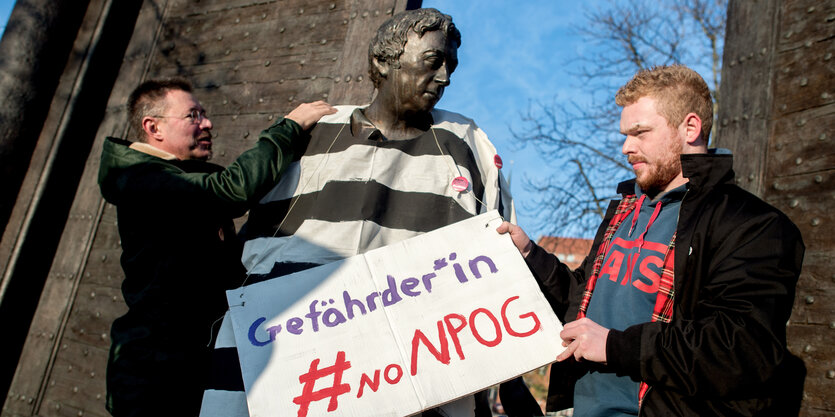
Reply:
x=440 y=116
x=462 y=126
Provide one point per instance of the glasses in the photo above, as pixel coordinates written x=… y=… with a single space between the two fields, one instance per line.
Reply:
x=195 y=116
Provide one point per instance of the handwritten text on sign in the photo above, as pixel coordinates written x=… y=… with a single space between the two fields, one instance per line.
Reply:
x=435 y=317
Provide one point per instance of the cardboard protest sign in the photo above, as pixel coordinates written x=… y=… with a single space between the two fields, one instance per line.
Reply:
x=396 y=330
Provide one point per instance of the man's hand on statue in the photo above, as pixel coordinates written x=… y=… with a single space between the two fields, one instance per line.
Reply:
x=518 y=236
x=307 y=114
x=584 y=339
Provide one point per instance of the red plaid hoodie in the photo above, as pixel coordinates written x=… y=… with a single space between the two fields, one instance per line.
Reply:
x=663 y=310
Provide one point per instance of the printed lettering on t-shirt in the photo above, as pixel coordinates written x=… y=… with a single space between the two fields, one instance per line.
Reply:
x=620 y=264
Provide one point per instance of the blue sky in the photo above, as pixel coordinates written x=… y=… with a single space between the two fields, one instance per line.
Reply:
x=512 y=53
x=5 y=11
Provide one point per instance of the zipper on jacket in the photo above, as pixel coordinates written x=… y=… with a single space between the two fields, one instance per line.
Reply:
x=678 y=215
x=641 y=402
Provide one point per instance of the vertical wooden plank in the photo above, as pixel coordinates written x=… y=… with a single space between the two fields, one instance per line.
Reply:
x=745 y=93
x=778 y=115
x=799 y=181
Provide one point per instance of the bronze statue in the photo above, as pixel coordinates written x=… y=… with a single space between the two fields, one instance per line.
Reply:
x=377 y=174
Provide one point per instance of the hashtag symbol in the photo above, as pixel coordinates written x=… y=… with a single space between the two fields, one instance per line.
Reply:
x=314 y=373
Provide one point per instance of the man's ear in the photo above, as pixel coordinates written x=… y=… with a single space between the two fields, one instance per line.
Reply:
x=382 y=67
x=692 y=129
x=151 y=128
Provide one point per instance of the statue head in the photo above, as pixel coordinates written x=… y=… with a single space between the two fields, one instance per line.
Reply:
x=390 y=40
x=412 y=56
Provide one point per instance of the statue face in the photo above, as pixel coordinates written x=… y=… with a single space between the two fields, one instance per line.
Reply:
x=425 y=68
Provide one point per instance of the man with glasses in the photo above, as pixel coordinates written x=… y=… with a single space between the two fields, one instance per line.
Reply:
x=180 y=252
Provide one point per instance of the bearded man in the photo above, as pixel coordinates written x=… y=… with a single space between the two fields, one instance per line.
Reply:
x=681 y=306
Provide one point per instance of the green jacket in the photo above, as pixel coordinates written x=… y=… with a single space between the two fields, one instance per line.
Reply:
x=180 y=252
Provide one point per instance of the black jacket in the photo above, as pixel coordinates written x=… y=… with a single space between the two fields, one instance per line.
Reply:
x=737 y=262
